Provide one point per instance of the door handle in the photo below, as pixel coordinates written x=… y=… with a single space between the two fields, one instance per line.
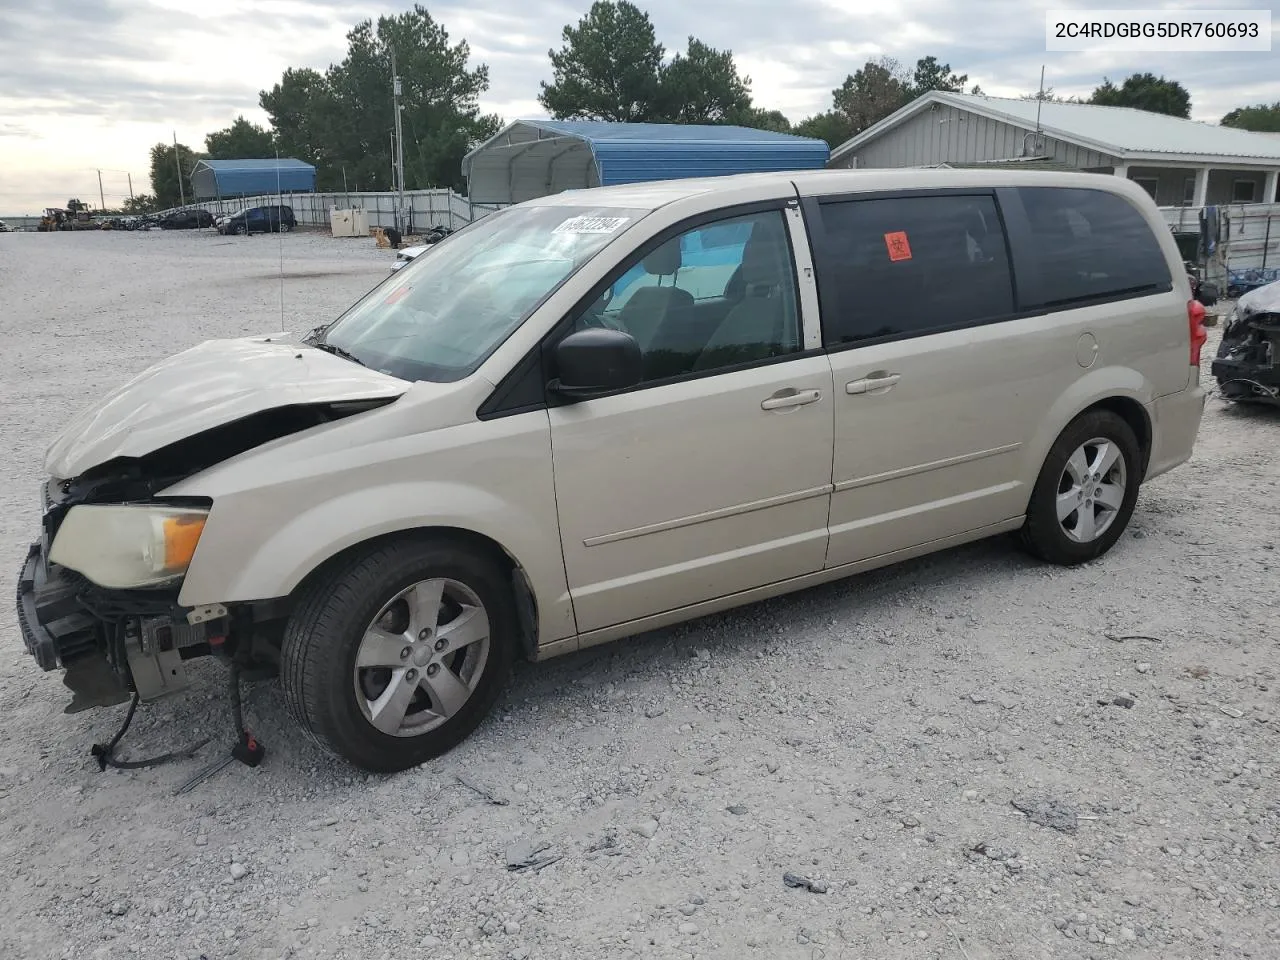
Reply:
x=878 y=382
x=790 y=397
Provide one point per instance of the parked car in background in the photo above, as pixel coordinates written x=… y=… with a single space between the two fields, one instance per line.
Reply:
x=268 y=219
x=606 y=411
x=186 y=220
x=408 y=255
x=5 y=228
x=429 y=240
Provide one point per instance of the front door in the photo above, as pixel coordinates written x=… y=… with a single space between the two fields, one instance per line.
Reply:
x=713 y=476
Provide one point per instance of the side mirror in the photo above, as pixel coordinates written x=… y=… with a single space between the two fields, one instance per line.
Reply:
x=595 y=362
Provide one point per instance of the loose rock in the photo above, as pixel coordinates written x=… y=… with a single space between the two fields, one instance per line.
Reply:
x=646 y=828
x=796 y=881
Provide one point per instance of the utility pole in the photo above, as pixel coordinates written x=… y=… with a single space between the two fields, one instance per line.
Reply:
x=177 y=162
x=395 y=91
x=102 y=201
x=130 y=176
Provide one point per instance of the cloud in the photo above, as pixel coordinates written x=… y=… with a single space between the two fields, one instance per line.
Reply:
x=85 y=84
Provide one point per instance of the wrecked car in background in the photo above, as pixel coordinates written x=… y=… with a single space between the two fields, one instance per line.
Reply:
x=1245 y=366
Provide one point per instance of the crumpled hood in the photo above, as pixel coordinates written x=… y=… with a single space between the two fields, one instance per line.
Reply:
x=211 y=384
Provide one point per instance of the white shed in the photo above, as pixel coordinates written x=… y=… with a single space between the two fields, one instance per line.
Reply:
x=1179 y=162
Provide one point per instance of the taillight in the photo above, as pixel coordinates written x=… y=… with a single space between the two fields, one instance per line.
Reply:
x=1195 y=321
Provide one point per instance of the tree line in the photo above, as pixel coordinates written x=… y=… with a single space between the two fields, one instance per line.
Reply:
x=609 y=66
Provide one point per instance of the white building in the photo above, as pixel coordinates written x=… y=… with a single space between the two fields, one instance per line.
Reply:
x=1179 y=162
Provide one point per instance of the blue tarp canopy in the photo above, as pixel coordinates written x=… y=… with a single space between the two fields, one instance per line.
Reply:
x=533 y=158
x=216 y=179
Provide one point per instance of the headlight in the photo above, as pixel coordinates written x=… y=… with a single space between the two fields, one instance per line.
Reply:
x=126 y=547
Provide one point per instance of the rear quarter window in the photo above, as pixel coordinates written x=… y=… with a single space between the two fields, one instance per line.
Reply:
x=1089 y=245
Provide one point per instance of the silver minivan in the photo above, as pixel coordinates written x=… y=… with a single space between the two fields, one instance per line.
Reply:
x=594 y=414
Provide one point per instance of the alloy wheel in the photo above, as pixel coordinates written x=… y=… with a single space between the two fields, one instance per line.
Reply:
x=422 y=657
x=1091 y=490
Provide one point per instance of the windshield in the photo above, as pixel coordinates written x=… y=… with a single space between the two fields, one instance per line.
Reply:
x=441 y=316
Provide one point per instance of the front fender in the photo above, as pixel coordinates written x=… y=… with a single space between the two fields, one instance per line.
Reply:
x=244 y=556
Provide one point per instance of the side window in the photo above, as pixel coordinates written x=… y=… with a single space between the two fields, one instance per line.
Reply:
x=911 y=265
x=1090 y=244
x=715 y=296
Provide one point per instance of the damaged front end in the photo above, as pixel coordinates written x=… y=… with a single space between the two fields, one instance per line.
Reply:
x=1246 y=365
x=110 y=617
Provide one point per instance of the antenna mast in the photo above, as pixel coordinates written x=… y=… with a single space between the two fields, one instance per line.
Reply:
x=399 y=184
x=1039 y=102
x=177 y=162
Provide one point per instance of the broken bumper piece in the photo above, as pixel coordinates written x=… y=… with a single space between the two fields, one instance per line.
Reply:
x=1240 y=379
x=109 y=643
x=55 y=628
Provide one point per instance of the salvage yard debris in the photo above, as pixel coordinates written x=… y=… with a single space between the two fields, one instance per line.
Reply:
x=531 y=855
x=484 y=791
x=1048 y=812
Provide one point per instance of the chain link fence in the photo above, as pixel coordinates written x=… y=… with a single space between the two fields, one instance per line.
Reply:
x=424 y=209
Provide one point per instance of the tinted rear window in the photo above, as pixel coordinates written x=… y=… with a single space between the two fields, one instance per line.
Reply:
x=1090 y=245
x=910 y=265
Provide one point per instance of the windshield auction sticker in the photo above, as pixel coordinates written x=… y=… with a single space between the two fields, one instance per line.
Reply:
x=1191 y=31
x=591 y=225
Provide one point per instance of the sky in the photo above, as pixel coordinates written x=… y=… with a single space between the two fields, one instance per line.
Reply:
x=91 y=85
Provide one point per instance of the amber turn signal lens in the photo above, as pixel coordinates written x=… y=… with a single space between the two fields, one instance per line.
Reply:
x=181 y=534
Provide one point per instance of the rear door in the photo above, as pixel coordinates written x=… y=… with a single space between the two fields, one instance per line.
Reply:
x=936 y=383
x=951 y=378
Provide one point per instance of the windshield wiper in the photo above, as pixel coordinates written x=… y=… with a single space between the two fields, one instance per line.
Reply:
x=337 y=352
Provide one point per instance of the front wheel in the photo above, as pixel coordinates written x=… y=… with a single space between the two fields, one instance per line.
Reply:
x=397 y=655
x=1086 y=490
x=241 y=230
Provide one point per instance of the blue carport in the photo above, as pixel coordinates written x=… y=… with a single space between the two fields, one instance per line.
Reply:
x=534 y=158
x=221 y=179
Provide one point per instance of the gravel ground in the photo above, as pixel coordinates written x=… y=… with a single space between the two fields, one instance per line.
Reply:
x=876 y=736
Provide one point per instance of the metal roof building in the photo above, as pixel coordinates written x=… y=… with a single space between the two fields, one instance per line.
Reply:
x=1179 y=162
x=533 y=158
x=217 y=179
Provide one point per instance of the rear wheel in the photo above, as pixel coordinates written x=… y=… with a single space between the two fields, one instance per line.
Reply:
x=397 y=655
x=1086 y=490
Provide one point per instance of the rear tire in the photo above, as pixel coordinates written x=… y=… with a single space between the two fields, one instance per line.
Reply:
x=1086 y=491
x=354 y=644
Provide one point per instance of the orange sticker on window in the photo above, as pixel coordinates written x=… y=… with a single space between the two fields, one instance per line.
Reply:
x=396 y=296
x=899 y=248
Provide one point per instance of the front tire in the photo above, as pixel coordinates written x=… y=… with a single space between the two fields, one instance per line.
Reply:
x=396 y=655
x=1086 y=491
